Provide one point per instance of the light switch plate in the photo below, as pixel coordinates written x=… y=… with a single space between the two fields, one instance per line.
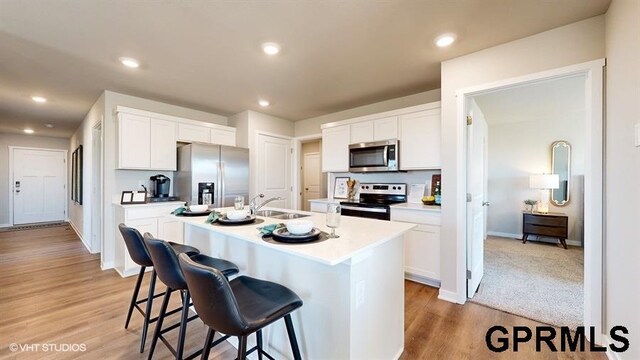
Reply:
x=638 y=135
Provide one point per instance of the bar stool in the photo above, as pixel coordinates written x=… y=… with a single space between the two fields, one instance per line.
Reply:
x=239 y=307
x=170 y=273
x=139 y=254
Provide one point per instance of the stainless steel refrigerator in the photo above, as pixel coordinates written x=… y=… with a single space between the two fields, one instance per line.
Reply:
x=222 y=171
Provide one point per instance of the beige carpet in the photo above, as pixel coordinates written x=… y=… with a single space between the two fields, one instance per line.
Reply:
x=539 y=281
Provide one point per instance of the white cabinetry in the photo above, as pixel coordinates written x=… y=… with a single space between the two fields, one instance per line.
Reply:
x=223 y=136
x=374 y=130
x=335 y=149
x=361 y=132
x=193 y=133
x=153 y=218
x=421 y=245
x=134 y=141
x=163 y=145
x=420 y=140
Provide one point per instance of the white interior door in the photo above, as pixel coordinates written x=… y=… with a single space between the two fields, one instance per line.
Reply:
x=39 y=185
x=477 y=135
x=273 y=175
x=312 y=176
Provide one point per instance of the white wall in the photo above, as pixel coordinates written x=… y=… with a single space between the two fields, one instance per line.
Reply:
x=311 y=126
x=9 y=139
x=622 y=278
x=521 y=131
x=571 y=44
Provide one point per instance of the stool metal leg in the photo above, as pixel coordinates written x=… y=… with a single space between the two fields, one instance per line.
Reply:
x=207 y=344
x=134 y=297
x=292 y=337
x=242 y=348
x=183 y=323
x=163 y=310
x=259 y=340
x=147 y=313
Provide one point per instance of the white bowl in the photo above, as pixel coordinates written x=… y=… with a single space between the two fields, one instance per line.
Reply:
x=299 y=227
x=237 y=214
x=198 y=208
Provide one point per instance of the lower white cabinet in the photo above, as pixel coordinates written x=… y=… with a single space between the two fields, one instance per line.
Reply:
x=151 y=218
x=421 y=245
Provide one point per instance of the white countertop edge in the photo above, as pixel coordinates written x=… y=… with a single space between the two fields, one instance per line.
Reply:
x=419 y=207
x=176 y=203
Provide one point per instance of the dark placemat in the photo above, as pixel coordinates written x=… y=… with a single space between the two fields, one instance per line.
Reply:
x=189 y=213
x=322 y=237
x=254 y=222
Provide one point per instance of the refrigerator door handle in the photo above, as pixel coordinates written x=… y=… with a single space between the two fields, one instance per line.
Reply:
x=222 y=191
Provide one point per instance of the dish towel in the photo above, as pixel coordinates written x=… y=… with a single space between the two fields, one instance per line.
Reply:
x=213 y=217
x=179 y=210
x=269 y=229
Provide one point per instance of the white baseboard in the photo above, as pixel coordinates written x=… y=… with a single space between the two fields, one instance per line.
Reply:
x=537 y=238
x=449 y=296
x=73 y=226
x=5 y=225
x=107 y=265
x=610 y=354
x=422 y=280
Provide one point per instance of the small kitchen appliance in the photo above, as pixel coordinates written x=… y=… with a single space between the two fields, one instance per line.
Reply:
x=161 y=185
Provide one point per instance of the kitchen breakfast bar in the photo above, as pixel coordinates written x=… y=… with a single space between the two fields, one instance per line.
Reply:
x=352 y=286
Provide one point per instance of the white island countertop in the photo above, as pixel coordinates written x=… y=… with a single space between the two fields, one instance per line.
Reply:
x=357 y=235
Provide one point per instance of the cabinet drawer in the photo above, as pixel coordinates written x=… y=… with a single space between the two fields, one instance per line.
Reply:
x=545 y=220
x=560 y=232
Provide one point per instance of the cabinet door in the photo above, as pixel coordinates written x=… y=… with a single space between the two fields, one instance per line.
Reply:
x=385 y=128
x=142 y=225
x=163 y=145
x=422 y=252
x=134 y=134
x=223 y=137
x=361 y=132
x=335 y=149
x=420 y=140
x=171 y=229
x=193 y=133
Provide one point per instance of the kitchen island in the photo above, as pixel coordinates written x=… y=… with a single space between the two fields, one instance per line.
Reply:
x=352 y=286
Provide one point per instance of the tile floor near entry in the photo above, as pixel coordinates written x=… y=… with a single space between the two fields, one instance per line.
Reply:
x=53 y=291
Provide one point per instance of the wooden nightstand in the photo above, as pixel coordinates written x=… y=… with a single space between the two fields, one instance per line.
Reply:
x=549 y=224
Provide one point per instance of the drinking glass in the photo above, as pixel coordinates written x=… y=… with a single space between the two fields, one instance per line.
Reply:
x=333 y=218
x=238 y=203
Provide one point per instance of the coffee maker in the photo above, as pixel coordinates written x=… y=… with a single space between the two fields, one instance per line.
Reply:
x=161 y=186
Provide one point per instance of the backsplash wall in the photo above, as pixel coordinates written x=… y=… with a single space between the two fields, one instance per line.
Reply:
x=410 y=177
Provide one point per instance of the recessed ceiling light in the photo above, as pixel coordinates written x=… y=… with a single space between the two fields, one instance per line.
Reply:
x=270 y=48
x=50 y=126
x=39 y=99
x=445 y=40
x=29 y=131
x=263 y=103
x=129 y=62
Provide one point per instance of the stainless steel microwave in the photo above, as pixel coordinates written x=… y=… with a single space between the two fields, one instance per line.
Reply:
x=376 y=156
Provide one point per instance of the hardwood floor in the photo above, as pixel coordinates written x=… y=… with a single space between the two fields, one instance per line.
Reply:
x=52 y=291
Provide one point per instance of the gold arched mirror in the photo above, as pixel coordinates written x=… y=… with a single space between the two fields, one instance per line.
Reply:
x=561 y=165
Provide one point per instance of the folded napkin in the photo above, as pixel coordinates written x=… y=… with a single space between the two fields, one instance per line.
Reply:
x=179 y=210
x=213 y=217
x=269 y=229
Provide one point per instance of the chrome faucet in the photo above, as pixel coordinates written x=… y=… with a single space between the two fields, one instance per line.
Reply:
x=254 y=208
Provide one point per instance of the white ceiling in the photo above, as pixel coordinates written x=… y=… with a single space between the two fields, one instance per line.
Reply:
x=553 y=99
x=206 y=54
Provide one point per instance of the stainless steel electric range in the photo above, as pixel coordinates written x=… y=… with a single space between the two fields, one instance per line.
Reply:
x=375 y=200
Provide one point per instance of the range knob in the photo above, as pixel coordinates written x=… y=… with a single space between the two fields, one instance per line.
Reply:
x=394 y=188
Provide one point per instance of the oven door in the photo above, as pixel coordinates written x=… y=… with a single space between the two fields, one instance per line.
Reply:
x=380 y=213
x=374 y=156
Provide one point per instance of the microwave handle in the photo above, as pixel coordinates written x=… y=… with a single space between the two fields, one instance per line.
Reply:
x=385 y=155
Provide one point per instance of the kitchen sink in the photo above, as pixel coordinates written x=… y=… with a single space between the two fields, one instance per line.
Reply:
x=269 y=213
x=290 y=216
x=279 y=214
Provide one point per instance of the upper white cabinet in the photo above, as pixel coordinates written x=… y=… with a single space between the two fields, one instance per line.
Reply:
x=420 y=140
x=223 y=136
x=335 y=149
x=163 y=145
x=374 y=130
x=193 y=133
x=134 y=141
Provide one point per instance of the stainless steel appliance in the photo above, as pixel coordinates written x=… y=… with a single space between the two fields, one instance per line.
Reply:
x=376 y=156
x=161 y=185
x=375 y=201
x=222 y=171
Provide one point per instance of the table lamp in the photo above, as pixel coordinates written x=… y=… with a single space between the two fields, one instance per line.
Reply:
x=544 y=182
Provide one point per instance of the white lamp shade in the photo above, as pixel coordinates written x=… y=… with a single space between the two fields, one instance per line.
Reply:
x=544 y=181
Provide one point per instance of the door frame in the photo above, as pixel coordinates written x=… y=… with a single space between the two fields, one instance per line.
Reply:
x=593 y=188
x=97 y=199
x=12 y=182
x=296 y=160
